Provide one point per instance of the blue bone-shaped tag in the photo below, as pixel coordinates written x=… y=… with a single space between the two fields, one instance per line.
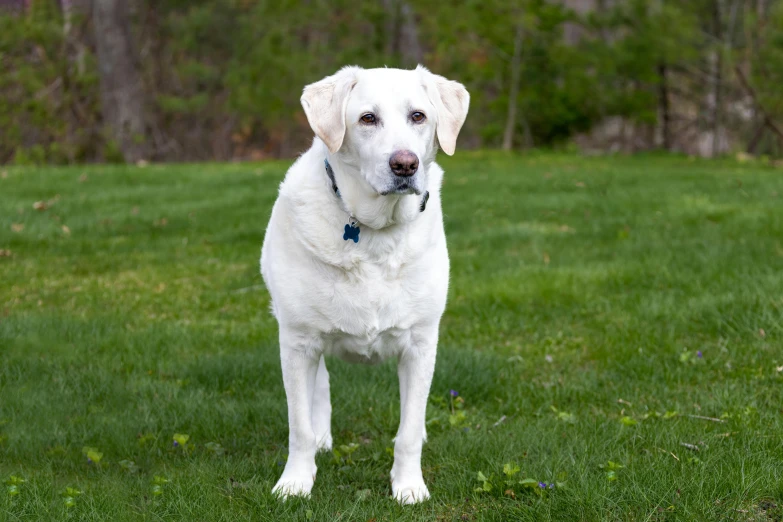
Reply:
x=351 y=232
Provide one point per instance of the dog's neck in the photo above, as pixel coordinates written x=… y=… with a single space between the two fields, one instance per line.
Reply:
x=360 y=200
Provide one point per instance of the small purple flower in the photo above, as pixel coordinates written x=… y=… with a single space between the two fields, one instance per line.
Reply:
x=176 y=443
x=698 y=354
x=453 y=393
x=552 y=485
x=542 y=485
x=89 y=460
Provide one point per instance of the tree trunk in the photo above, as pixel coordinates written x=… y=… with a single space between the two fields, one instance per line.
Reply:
x=409 y=44
x=122 y=93
x=513 y=90
x=67 y=6
x=70 y=127
x=402 y=33
x=717 y=78
x=663 y=107
x=390 y=27
x=761 y=9
x=754 y=140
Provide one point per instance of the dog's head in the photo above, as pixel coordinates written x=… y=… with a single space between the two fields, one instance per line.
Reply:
x=386 y=123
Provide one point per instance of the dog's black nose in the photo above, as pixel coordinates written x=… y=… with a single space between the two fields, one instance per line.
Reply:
x=404 y=163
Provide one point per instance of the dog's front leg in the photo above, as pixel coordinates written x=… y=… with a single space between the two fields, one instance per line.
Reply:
x=415 y=369
x=300 y=364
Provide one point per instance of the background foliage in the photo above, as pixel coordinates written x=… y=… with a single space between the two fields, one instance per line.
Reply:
x=221 y=78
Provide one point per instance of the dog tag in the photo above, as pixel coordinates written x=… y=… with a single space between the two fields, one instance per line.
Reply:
x=351 y=232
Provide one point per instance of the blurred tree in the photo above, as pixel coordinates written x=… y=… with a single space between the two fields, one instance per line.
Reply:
x=40 y=98
x=402 y=33
x=122 y=93
x=179 y=80
x=513 y=87
x=761 y=75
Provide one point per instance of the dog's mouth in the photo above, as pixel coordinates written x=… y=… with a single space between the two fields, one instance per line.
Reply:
x=402 y=187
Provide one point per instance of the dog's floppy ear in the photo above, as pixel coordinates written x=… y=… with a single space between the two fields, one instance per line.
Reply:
x=451 y=100
x=324 y=104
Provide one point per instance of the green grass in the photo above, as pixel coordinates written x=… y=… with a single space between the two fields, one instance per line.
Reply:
x=583 y=284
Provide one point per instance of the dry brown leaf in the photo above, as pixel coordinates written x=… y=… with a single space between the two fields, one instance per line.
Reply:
x=66 y=230
x=40 y=205
x=5 y=252
x=17 y=227
x=762 y=333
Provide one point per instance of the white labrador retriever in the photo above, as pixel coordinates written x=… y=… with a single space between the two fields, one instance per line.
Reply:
x=355 y=254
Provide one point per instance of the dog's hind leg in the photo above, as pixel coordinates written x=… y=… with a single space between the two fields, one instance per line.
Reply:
x=322 y=409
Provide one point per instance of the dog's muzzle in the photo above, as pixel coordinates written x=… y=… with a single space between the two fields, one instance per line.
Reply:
x=403 y=164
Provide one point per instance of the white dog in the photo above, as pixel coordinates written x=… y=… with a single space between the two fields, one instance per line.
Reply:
x=355 y=254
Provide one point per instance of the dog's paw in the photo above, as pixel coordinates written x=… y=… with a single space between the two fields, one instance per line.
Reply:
x=411 y=493
x=324 y=442
x=409 y=490
x=292 y=488
x=294 y=483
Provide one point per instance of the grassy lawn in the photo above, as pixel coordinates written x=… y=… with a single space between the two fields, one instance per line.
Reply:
x=615 y=326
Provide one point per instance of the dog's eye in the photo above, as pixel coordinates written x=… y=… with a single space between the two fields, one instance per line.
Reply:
x=418 y=117
x=368 y=118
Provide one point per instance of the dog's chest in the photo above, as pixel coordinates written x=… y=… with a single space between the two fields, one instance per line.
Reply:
x=373 y=307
